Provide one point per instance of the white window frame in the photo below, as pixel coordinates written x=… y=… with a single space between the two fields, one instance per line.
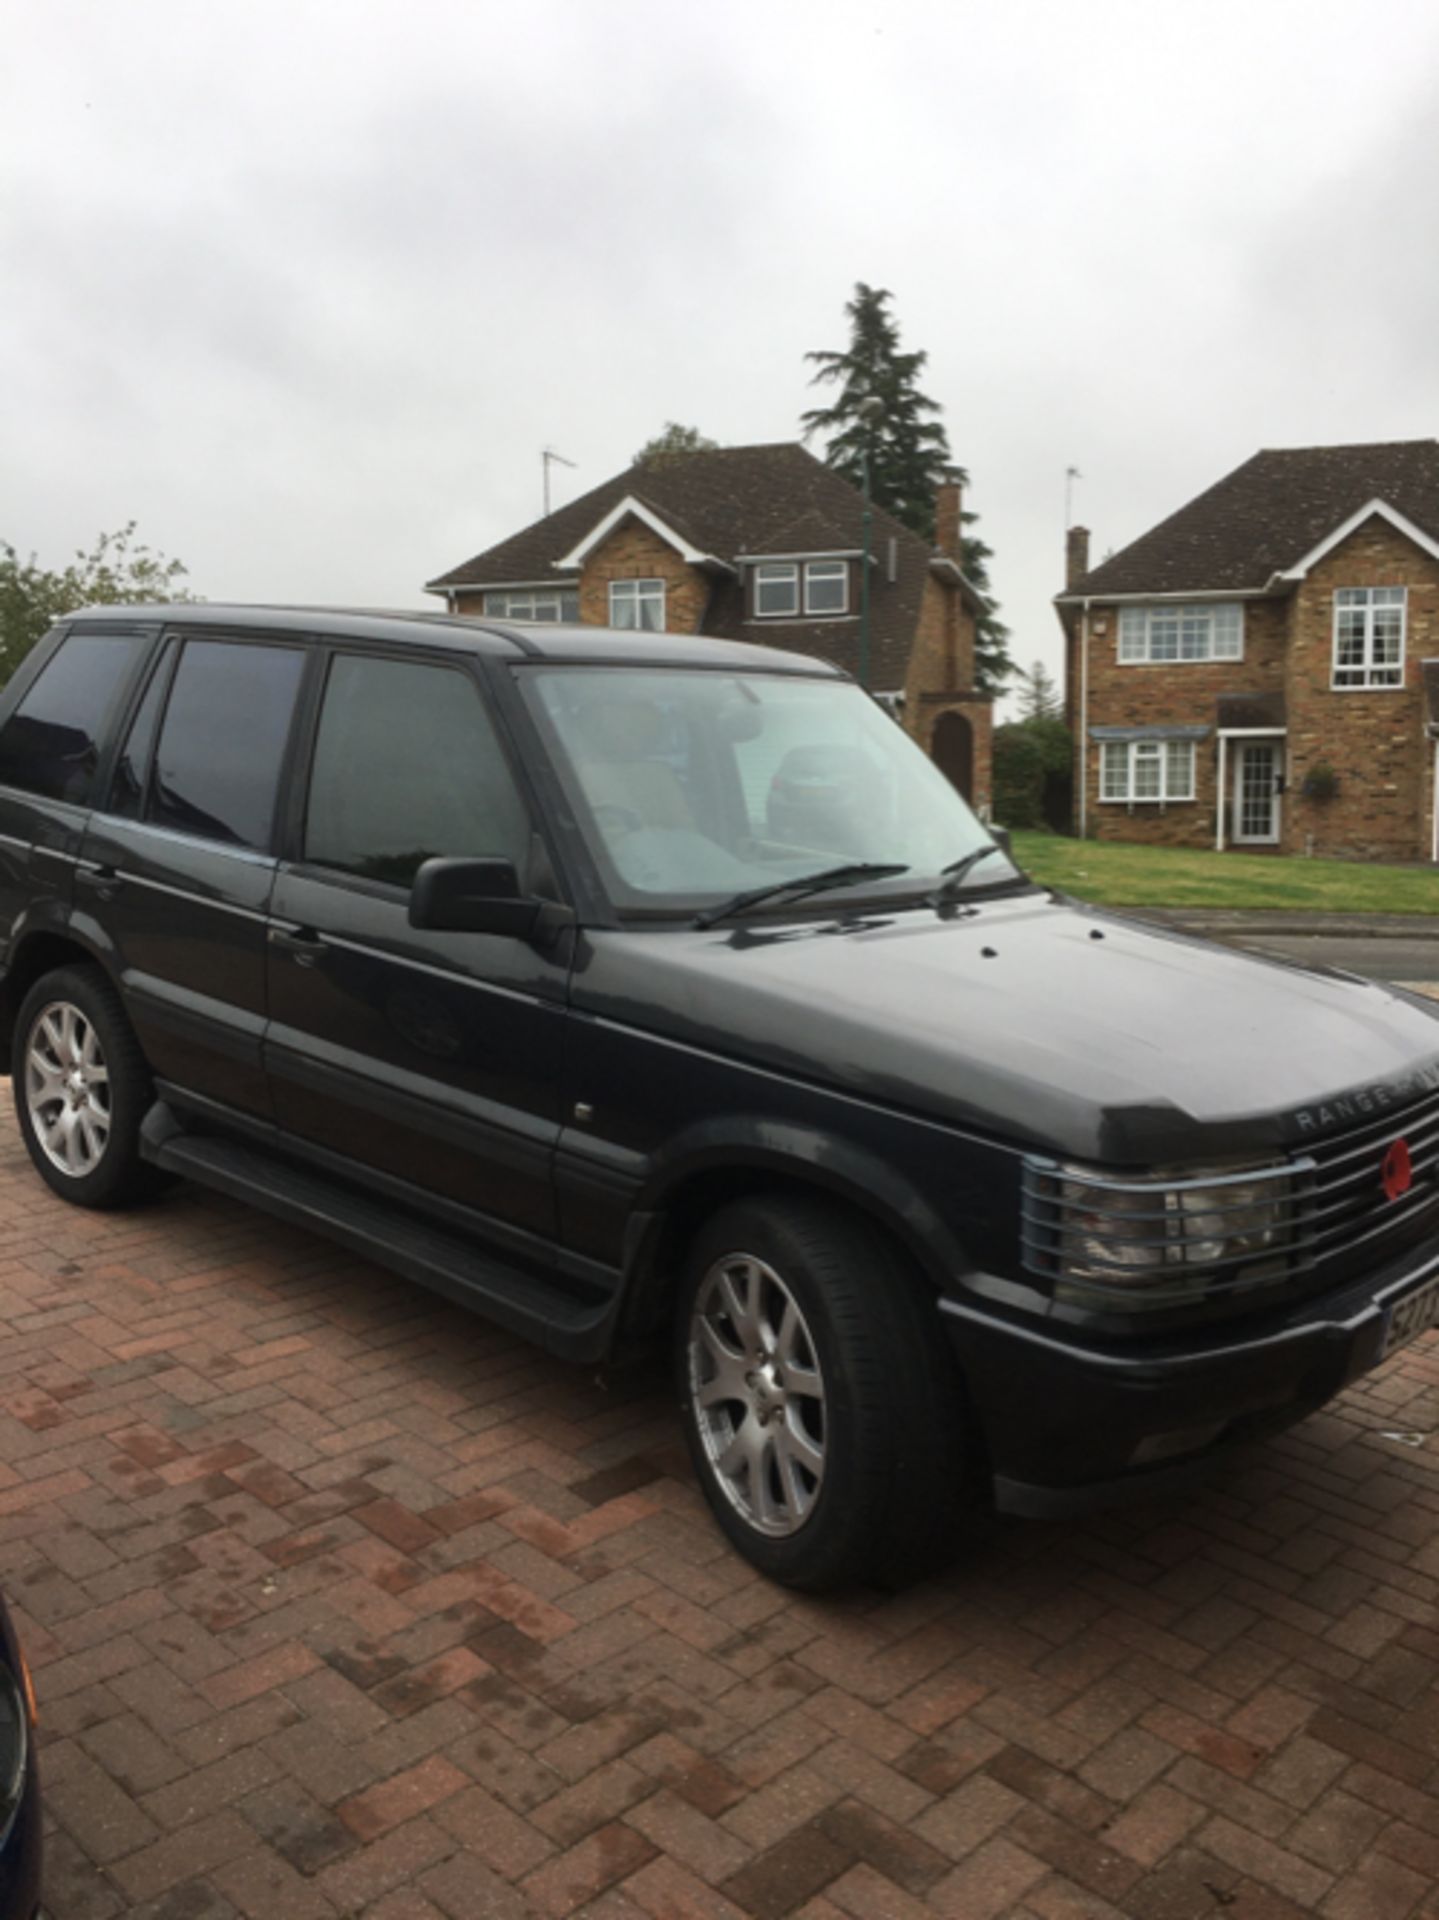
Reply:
x=777 y=576
x=1143 y=755
x=826 y=570
x=1369 y=675
x=1193 y=624
x=534 y=605
x=632 y=597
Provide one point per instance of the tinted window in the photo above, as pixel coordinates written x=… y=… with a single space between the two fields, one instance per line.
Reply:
x=48 y=745
x=217 y=767
x=127 y=791
x=407 y=766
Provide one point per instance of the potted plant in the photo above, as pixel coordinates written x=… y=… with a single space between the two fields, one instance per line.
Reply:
x=1321 y=782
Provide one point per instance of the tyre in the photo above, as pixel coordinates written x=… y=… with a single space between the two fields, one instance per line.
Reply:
x=824 y=1415
x=81 y=1089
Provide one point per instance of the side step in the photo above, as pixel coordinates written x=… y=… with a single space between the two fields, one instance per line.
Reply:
x=526 y=1303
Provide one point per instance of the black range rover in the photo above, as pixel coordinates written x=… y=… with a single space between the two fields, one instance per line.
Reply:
x=636 y=986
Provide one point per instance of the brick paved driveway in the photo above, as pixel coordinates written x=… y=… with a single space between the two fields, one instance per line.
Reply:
x=343 y=1603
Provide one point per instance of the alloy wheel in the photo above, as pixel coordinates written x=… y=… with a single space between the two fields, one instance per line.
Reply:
x=758 y=1394
x=67 y=1089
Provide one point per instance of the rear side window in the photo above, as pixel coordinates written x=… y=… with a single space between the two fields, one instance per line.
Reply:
x=222 y=741
x=48 y=746
x=407 y=766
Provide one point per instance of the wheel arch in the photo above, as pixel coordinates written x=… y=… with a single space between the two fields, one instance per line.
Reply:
x=38 y=951
x=737 y=1161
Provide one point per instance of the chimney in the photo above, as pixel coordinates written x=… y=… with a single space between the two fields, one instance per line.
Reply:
x=1076 y=555
x=949 y=516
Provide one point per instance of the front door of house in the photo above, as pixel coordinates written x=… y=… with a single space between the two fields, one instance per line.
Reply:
x=1256 y=792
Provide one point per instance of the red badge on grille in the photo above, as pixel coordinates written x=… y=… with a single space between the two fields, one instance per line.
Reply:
x=1397 y=1173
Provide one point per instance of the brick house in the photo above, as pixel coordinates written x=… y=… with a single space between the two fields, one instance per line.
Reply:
x=762 y=544
x=1261 y=670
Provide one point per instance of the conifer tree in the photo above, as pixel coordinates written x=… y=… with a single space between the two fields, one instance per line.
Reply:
x=1040 y=698
x=908 y=450
x=907 y=445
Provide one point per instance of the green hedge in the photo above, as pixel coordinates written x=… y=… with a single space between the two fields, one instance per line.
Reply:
x=1033 y=771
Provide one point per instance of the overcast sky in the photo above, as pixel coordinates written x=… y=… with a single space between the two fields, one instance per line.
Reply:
x=304 y=288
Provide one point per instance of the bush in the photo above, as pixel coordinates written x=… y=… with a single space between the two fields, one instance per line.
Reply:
x=1033 y=774
x=116 y=570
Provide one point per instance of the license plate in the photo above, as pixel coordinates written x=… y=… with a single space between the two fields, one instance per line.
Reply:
x=1411 y=1316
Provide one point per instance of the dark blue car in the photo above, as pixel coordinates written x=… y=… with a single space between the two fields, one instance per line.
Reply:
x=19 y=1784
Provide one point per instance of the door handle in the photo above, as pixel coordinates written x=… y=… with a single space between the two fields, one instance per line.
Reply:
x=102 y=881
x=304 y=947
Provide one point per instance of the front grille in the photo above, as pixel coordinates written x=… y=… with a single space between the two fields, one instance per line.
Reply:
x=1351 y=1208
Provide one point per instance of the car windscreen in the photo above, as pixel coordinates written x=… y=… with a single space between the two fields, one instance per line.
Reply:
x=691 y=785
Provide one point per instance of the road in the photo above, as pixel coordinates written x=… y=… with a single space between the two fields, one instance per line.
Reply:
x=1394 y=959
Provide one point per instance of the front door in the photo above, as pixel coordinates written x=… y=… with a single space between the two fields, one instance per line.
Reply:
x=433 y=1058
x=1256 y=792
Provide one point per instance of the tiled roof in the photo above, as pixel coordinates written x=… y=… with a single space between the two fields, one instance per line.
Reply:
x=811 y=532
x=732 y=500
x=1266 y=515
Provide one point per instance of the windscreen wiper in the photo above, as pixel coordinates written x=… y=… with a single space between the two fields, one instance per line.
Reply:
x=957 y=872
x=799 y=886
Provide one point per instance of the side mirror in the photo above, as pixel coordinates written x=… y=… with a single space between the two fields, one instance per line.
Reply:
x=1000 y=837
x=472 y=896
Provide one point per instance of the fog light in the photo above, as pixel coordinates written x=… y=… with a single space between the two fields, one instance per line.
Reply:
x=1166 y=1446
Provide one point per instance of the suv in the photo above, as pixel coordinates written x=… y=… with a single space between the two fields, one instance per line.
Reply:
x=485 y=950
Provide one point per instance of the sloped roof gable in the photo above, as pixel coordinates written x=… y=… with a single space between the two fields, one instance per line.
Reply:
x=1270 y=517
x=631 y=506
x=726 y=501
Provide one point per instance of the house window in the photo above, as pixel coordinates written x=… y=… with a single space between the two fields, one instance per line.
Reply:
x=1157 y=634
x=1146 y=770
x=776 y=590
x=1369 y=636
x=826 y=586
x=638 y=604
x=552 y=604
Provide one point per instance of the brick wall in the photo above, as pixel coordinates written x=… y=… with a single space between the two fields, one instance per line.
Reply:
x=1153 y=694
x=940 y=679
x=942 y=657
x=1373 y=740
x=632 y=552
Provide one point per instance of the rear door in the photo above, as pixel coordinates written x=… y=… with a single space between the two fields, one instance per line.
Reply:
x=433 y=1058
x=178 y=866
x=61 y=704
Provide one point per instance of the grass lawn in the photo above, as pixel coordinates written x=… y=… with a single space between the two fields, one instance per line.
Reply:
x=1115 y=875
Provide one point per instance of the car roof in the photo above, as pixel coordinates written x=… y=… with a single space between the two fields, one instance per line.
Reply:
x=504 y=638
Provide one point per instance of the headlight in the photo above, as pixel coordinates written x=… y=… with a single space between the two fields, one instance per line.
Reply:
x=1165 y=1232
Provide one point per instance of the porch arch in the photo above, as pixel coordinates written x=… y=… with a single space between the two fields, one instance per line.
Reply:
x=952 y=750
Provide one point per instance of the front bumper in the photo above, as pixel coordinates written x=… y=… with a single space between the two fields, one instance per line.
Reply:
x=1071 y=1426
